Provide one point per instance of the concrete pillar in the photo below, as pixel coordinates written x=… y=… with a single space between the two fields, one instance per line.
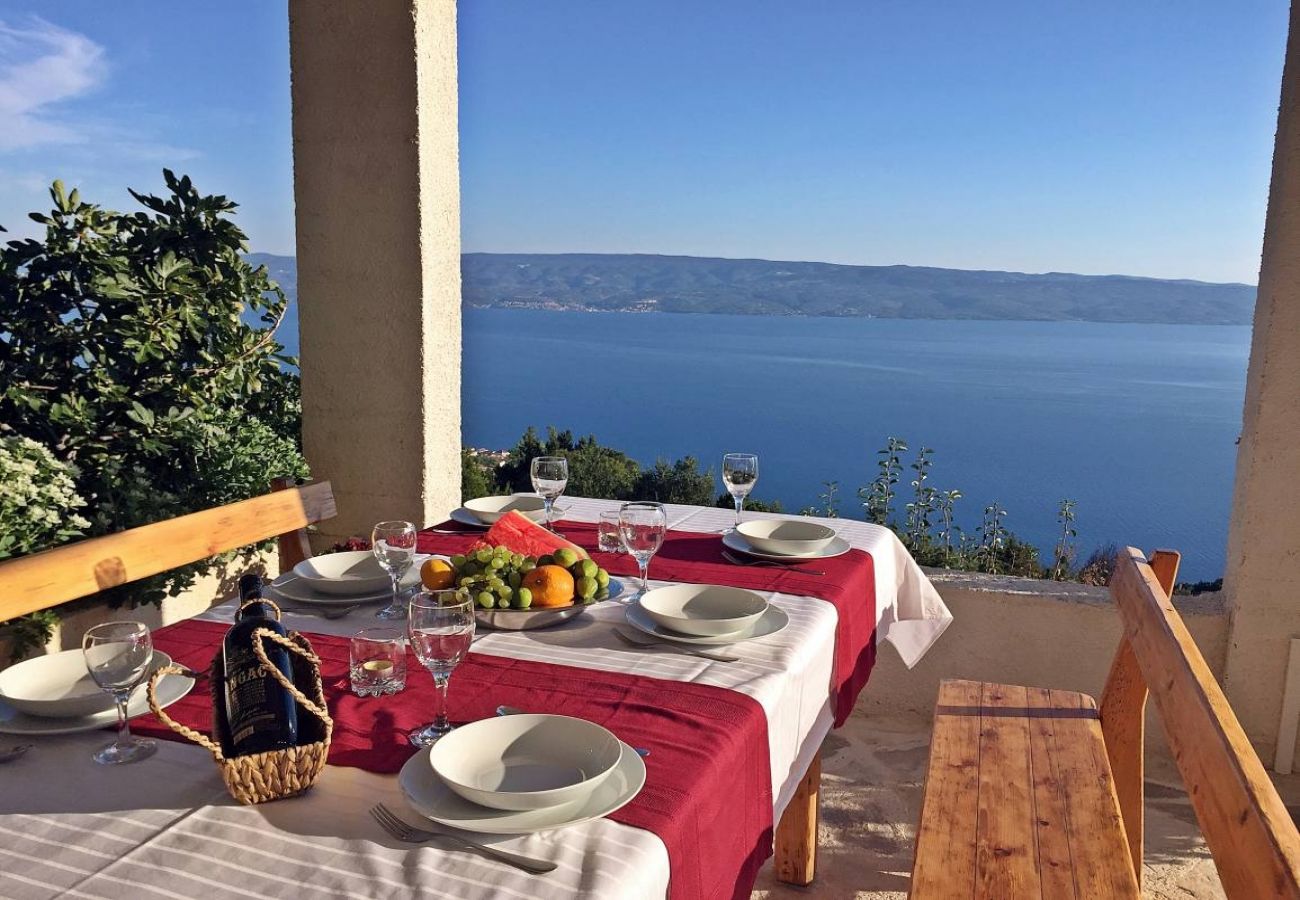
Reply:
x=376 y=185
x=1263 y=574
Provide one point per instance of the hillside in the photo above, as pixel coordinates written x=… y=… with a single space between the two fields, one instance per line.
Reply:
x=687 y=284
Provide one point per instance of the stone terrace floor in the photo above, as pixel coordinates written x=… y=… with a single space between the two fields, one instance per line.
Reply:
x=872 y=772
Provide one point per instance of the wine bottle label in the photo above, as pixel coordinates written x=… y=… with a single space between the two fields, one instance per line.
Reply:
x=249 y=697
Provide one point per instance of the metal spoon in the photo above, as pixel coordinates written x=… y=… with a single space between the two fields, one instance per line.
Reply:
x=514 y=711
x=13 y=753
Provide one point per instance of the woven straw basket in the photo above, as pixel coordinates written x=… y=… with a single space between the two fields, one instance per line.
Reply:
x=259 y=777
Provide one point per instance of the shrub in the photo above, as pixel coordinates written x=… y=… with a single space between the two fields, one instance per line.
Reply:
x=679 y=482
x=140 y=348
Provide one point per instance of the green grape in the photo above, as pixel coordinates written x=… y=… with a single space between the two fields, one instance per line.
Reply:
x=528 y=565
x=466 y=581
x=505 y=591
x=517 y=559
x=515 y=579
x=523 y=598
x=458 y=560
x=503 y=603
x=483 y=554
x=486 y=600
x=497 y=562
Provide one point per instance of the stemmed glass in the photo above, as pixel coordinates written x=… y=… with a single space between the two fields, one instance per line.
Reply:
x=739 y=474
x=641 y=526
x=118 y=656
x=441 y=628
x=550 y=477
x=393 y=544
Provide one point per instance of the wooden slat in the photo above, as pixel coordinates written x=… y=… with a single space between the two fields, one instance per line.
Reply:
x=1051 y=817
x=1123 y=724
x=56 y=576
x=796 y=835
x=1098 y=845
x=293 y=546
x=1254 y=842
x=944 y=866
x=1006 y=854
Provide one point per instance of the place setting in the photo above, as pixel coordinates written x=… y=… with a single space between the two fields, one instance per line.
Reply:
x=88 y=689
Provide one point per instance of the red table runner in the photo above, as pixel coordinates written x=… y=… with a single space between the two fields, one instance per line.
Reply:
x=708 y=790
x=691 y=556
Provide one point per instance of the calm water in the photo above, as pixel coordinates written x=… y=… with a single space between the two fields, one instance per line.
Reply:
x=1137 y=423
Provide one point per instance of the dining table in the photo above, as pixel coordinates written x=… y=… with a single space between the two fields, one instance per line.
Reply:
x=728 y=744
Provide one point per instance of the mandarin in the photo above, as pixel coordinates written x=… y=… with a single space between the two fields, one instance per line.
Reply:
x=550 y=586
x=438 y=575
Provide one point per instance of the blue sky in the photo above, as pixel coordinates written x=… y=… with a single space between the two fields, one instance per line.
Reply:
x=1098 y=138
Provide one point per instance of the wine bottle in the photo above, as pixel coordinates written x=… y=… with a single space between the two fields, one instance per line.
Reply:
x=260 y=713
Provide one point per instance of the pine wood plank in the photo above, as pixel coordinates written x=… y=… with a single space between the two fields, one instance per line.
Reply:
x=796 y=835
x=56 y=576
x=1253 y=840
x=1006 y=855
x=1123 y=724
x=944 y=865
x=1099 y=847
x=293 y=546
x=1051 y=817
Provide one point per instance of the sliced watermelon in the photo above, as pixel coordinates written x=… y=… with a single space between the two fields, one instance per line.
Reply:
x=523 y=535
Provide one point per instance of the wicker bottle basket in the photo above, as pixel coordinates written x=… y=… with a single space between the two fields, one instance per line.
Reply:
x=275 y=774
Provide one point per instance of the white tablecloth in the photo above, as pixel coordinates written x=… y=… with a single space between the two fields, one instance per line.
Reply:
x=165 y=827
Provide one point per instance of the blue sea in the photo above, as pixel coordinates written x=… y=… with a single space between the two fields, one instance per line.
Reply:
x=1136 y=423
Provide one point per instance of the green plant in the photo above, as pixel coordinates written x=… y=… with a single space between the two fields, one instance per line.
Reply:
x=830 y=502
x=947 y=527
x=679 y=482
x=992 y=538
x=1064 y=552
x=37 y=510
x=476 y=479
x=594 y=470
x=878 y=497
x=924 y=502
x=752 y=504
x=141 y=349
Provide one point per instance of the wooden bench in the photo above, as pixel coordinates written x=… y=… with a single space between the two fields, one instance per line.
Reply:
x=1038 y=793
x=52 y=577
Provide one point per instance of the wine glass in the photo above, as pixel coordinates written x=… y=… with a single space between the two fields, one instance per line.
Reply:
x=641 y=526
x=441 y=628
x=393 y=544
x=550 y=476
x=739 y=473
x=118 y=656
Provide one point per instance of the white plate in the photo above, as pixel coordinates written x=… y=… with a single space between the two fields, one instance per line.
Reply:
x=465 y=517
x=703 y=610
x=429 y=797
x=296 y=590
x=58 y=686
x=170 y=689
x=771 y=622
x=735 y=541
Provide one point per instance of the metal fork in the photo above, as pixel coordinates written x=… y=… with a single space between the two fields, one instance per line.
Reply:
x=736 y=560
x=330 y=612
x=411 y=835
x=651 y=643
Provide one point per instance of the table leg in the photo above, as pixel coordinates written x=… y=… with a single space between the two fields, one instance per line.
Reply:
x=796 y=834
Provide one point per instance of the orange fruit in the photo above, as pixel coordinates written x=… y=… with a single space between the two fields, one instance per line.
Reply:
x=551 y=586
x=438 y=575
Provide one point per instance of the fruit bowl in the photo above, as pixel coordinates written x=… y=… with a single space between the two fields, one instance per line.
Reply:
x=542 y=617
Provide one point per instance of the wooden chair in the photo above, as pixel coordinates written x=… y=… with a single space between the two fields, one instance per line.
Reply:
x=1038 y=793
x=53 y=577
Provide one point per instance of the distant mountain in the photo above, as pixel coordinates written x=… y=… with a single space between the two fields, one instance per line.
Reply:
x=688 y=284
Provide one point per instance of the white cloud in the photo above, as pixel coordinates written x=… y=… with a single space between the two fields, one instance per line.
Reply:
x=41 y=65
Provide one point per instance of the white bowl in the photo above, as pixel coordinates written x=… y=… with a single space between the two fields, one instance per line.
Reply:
x=786 y=536
x=58 y=686
x=488 y=509
x=525 y=761
x=703 y=610
x=350 y=572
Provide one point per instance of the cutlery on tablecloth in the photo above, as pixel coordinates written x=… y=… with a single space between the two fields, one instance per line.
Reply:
x=770 y=563
x=13 y=753
x=411 y=835
x=324 y=612
x=504 y=710
x=651 y=643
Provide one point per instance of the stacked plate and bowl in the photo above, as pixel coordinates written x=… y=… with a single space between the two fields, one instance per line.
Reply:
x=339 y=579
x=705 y=614
x=54 y=694
x=523 y=773
x=785 y=540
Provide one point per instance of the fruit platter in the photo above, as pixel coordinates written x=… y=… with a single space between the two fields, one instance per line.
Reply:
x=522 y=576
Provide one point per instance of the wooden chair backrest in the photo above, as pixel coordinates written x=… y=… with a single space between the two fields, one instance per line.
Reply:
x=52 y=577
x=1251 y=836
